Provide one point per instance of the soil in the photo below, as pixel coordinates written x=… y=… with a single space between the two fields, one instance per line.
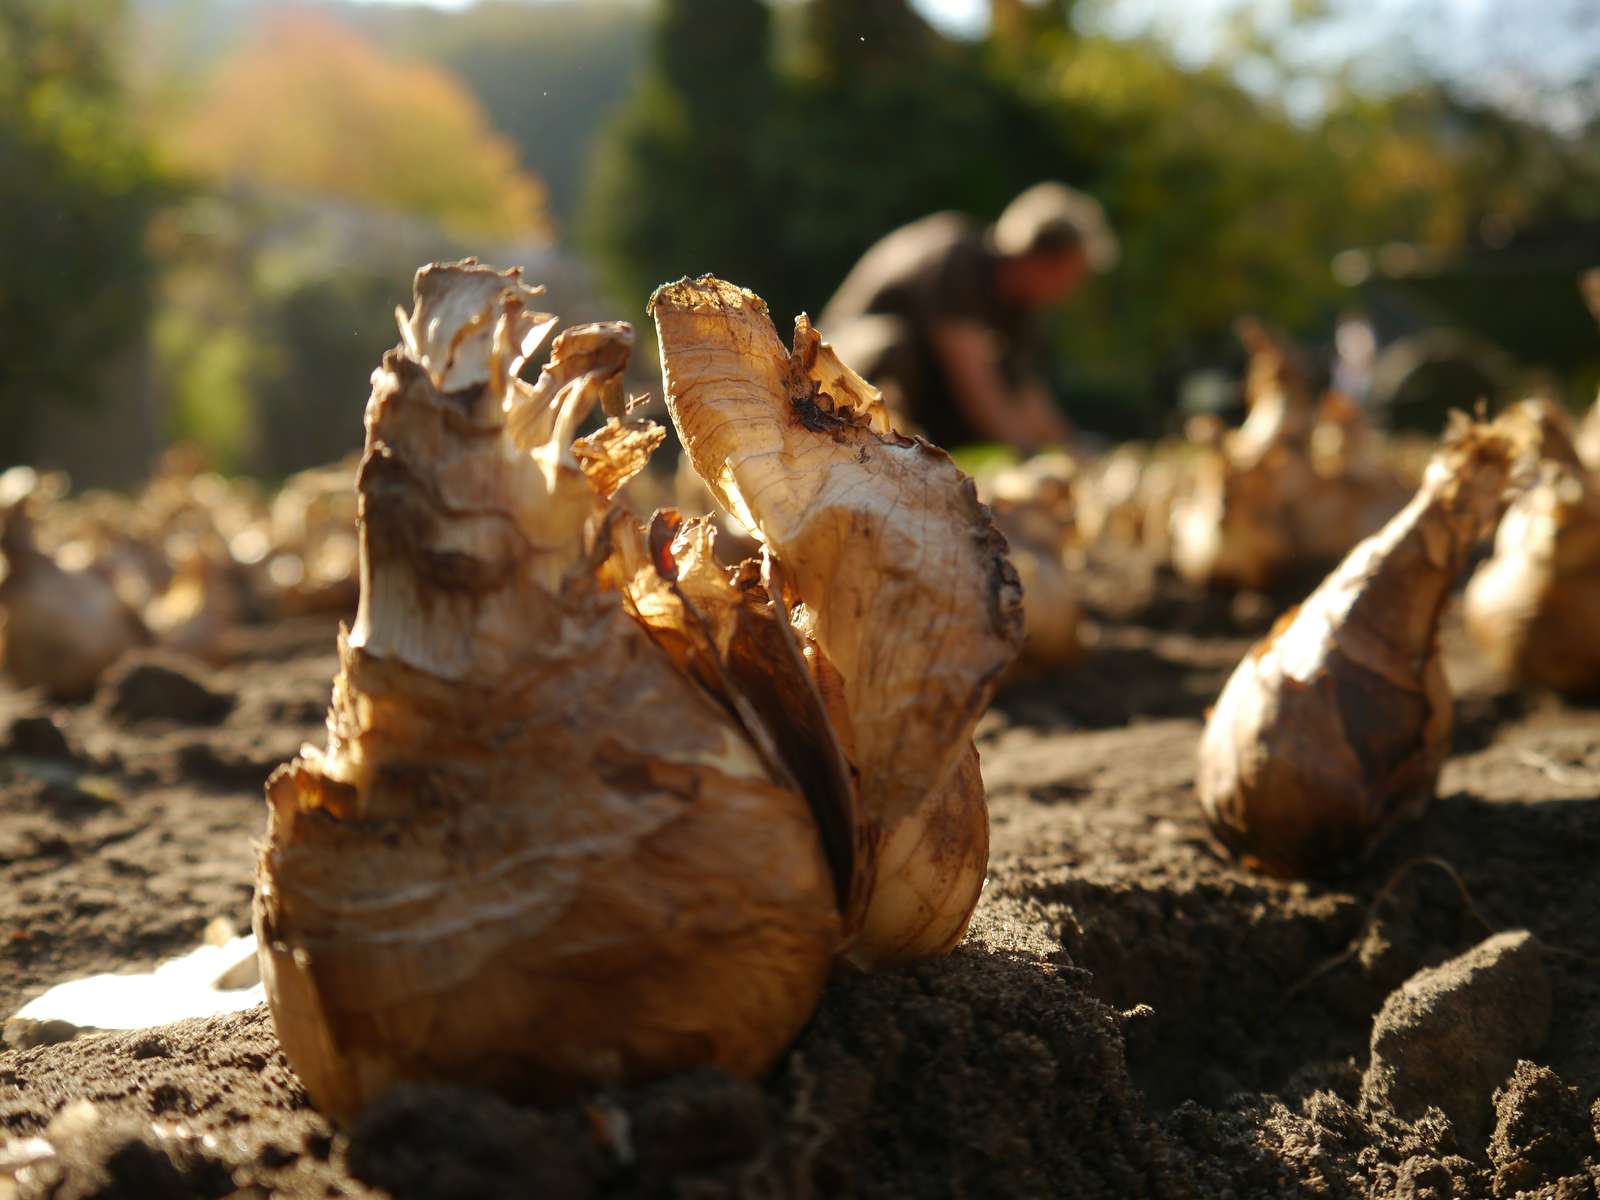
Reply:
x=1132 y=1014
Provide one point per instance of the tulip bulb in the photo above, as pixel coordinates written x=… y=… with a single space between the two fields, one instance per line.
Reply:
x=1336 y=724
x=1588 y=437
x=1297 y=482
x=535 y=854
x=1050 y=613
x=1229 y=529
x=1032 y=505
x=1354 y=490
x=60 y=629
x=1235 y=525
x=200 y=607
x=310 y=559
x=594 y=808
x=902 y=595
x=1278 y=394
x=1531 y=607
x=1108 y=509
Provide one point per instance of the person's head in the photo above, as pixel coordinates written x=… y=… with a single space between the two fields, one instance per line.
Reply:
x=1050 y=239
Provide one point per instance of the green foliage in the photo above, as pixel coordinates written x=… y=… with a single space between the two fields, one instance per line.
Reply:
x=76 y=191
x=854 y=154
x=681 y=184
x=715 y=53
x=209 y=372
x=272 y=312
x=1223 y=205
x=848 y=36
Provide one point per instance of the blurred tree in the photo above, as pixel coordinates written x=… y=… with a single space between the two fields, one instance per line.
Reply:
x=857 y=34
x=1479 y=219
x=273 y=309
x=714 y=52
x=680 y=182
x=867 y=139
x=76 y=190
x=1223 y=204
x=548 y=75
x=306 y=105
x=1015 y=24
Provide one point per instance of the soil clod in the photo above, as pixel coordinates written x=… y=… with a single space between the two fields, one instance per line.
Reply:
x=163 y=687
x=1450 y=1034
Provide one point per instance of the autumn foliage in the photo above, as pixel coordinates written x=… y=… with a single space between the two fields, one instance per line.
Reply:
x=308 y=106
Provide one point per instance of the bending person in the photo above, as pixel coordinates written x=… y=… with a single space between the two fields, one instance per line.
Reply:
x=946 y=317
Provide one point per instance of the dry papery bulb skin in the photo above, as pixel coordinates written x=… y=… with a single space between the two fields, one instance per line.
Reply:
x=583 y=818
x=1336 y=724
x=895 y=581
x=536 y=855
x=1531 y=607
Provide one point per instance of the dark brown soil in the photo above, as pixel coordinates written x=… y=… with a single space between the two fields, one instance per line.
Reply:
x=1132 y=1015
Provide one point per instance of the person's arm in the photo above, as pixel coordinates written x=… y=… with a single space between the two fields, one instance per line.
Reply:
x=1050 y=426
x=970 y=357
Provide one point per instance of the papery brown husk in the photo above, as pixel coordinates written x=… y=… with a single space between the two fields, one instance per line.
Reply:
x=536 y=854
x=1336 y=724
x=901 y=589
x=929 y=873
x=1531 y=608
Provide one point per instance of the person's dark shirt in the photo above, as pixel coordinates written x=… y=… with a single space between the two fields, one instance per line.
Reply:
x=935 y=270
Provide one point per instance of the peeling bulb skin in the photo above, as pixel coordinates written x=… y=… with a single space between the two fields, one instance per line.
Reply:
x=916 y=605
x=1334 y=727
x=895 y=579
x=535 y=854
x=594 y=808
